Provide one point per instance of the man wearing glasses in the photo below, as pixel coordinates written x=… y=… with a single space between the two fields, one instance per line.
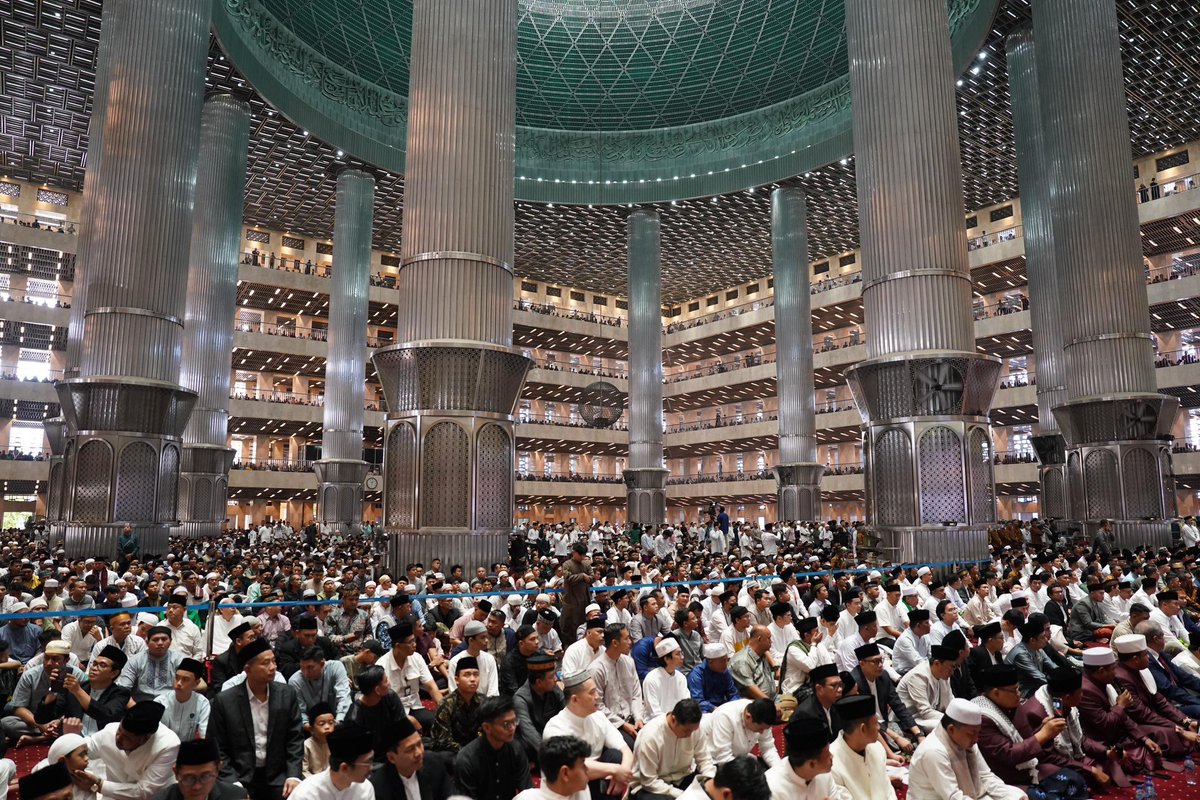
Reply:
x=351 y=759
x=197 y=771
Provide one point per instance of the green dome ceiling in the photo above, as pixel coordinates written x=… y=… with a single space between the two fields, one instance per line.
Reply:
x=617 y=100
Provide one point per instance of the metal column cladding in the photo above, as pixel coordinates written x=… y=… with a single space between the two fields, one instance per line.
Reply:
x=923 y=391
x=126 y=411
x=1113 y=416
x=341 y=470
x=453 y=379
x=209 y=318
x=798 y=473
x=645 y=476
x=1045 y=306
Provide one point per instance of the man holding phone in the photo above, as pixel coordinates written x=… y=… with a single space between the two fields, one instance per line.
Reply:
x=39 y=699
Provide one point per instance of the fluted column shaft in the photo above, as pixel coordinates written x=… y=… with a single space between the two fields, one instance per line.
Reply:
x=341 y=469
x=1045 y=307
x=126 y=412
x=798 y=474
x=140 y=214
x=923 y=391
x=1113 y=419
x=210 y=312
x=916 y=280
x=345 y=369
x=793 y=328
x=1045 y=301
x=110 y=19
x=1097 y=248
x=645 y=341
x=212 y=273
x=453 y=379
x=458 y=205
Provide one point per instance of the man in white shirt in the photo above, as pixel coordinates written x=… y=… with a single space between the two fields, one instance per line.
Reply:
x=1189 y=532
x=82 y=635
x=616 y=681
x=1169 y=621
x=925 y=689
x=609 y=757
x=913 y=645
x=580 y=655
x=891 y=615
x=138 y=754
x=186 y=638
x=350 y=763
x=949 y=759
x=783 y=632
x=407 y=674
x=668 y=753
x=859 y=760
x=804 y=775
x=736 y=727
x=1189 y=660
x=867 y=626
x=476 y=637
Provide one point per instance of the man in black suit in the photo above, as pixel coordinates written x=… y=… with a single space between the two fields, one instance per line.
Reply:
x=989 y=652
x=897 y=722
x=303 y=636
x=258 y=729
x=827 y=688
x=407 y=766
x=1056 y=608
x=228 y=664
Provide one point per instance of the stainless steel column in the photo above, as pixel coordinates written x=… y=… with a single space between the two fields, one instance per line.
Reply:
x=923 y=392
x=209 y=318
x=1045 y=305
x=56 y=428
x=126 y=411
x=645 y=476
x=798 y=473
x=341 y=470
x=1118 y=467
x=453 y=380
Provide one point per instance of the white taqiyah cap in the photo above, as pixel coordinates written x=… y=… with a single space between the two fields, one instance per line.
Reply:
x=666 y=646
x=542 y=598
x=1130 y=643
x=908 y=591
x=964 y=712
x=591 y=607
x=923 y=571
x=514 y=599
x=716 y=650
x=1099 y=657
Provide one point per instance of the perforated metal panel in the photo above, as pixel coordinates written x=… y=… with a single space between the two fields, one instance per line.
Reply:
x=892 y=477
x=329 y=498
x=1143 y=492
x=1166 y=474
x=493 y=479
x=939 y=459
x=983 y=501
x=401 y=457
x=1102 y=484
x=137 y=483
x=349 y=503
x=54 y=508
x=445 y=477
x=93 y=473
x=168 y=483
x=805 y=497
x=220 y=498
x=202 y=505
x=1078 y=507
x=1053 y=496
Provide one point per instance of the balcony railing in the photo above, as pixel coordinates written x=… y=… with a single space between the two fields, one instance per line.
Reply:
x=1001 y=457
x=721 y=367
x=1178 y=268
x=285 y=465
x=715 y=421
x=570 y=477
x=1002 y=307
x=852 y=468
x=23 y=454
x=995 y=238
x=551 y=310
x=39 y=221
x=1176 y=358
x=553 y=365
x=52 y=376
x=719 y=477
x=1149 y=192
x=55 y=300
x=716 y=316
x=567 y=422
x=825 y=284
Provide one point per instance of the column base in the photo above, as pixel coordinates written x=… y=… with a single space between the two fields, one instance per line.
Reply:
x=1131 y=534
x=799 y=491
x=934 y=544
x=646 y=495
x=203 y=491
x=471 y=549
x=100 y=541
x=1053 y=492
x=340 y=493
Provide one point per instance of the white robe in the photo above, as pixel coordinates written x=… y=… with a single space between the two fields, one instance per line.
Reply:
x=320 y=787
x=138 y=774
x=785 y=784
x=942 y=771
x=925 y=696
x=865 y=777
x=661 y=691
